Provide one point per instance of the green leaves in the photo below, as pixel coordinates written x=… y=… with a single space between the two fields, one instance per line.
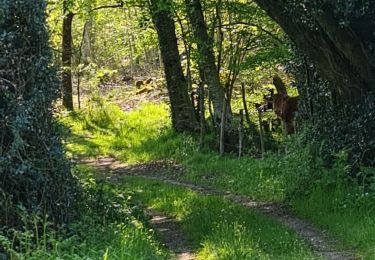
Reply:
x=34 y=171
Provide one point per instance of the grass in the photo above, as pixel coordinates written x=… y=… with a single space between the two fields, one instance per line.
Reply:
x=297 y=177
x=139 y=136
x=146 y=135
x=218 y=229
x=353 y=224
x=111 y=226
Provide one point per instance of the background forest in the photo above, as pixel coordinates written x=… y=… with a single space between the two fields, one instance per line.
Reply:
x=107 y=105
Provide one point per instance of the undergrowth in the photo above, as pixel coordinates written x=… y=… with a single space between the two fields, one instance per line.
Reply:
x=111 y=226
x=296 y=175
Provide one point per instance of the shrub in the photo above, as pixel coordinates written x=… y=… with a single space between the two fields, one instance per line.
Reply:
x=33 y=170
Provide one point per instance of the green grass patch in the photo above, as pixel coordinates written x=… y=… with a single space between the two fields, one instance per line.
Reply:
x=353 y=224
x=111 y=225
x=217 y=229
x=255 y=178
x=297 y=177
x=138 y=136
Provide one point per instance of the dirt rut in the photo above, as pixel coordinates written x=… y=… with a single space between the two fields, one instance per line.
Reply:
x=171 y=235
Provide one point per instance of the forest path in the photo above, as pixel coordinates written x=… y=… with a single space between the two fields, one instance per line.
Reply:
x=171 y=235
x=324 y=245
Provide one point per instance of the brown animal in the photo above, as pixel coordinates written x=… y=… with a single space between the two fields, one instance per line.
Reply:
x=279 y=84
x=139 y=83
x=148 y=81
x=285 y=108
x=127 y=79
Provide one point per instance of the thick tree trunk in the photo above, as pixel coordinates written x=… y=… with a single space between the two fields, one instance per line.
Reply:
x=342 y=53
x=206 y=60
x=183 y=118
x=67 y=87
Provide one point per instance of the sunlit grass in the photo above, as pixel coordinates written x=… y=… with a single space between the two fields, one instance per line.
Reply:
x=218 y=229
x=293 y=177
x=138 y=136
x=351 y=221
x=146 y=134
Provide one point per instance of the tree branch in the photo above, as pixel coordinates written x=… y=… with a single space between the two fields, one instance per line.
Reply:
x=121 y=4
x=257 y=26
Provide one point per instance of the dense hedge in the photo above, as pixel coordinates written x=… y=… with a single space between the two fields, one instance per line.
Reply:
x=331 y=124
x=34 y=175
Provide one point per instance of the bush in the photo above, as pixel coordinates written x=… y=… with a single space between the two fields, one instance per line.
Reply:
x=330 y=122
x=111 y=225
x=33 y=170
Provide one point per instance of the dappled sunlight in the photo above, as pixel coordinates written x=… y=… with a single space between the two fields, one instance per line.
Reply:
x=249 y=176
x=145 y=135
x=238 y=129
x=136 y=136
x=218 y=229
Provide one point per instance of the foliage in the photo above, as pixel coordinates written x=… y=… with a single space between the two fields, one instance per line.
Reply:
x=335 y=80
x=111 y=226
x=332 y=124
x=128 y=42
x=34 y=173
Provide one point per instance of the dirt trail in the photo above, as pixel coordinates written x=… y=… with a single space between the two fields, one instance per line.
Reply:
x=167 y=172
x=171 y=235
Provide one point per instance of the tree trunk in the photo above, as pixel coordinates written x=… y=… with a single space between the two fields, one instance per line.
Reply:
x=183 y=118
x=206 y=60
x=342 y=53
x=86 y=49
x=67 y=87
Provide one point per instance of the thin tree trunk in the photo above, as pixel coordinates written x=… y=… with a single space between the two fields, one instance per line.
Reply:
x=261 y=132
x=210 y=111
x=222 y=130
x=67 y=86
x=86 y=45
x=187 y=47
x=202 y=115
x=84 y=55
x=243 y=93
x=240 y=134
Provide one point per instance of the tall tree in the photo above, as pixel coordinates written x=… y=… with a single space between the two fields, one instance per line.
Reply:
x=183 y=118
x=206 y=59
